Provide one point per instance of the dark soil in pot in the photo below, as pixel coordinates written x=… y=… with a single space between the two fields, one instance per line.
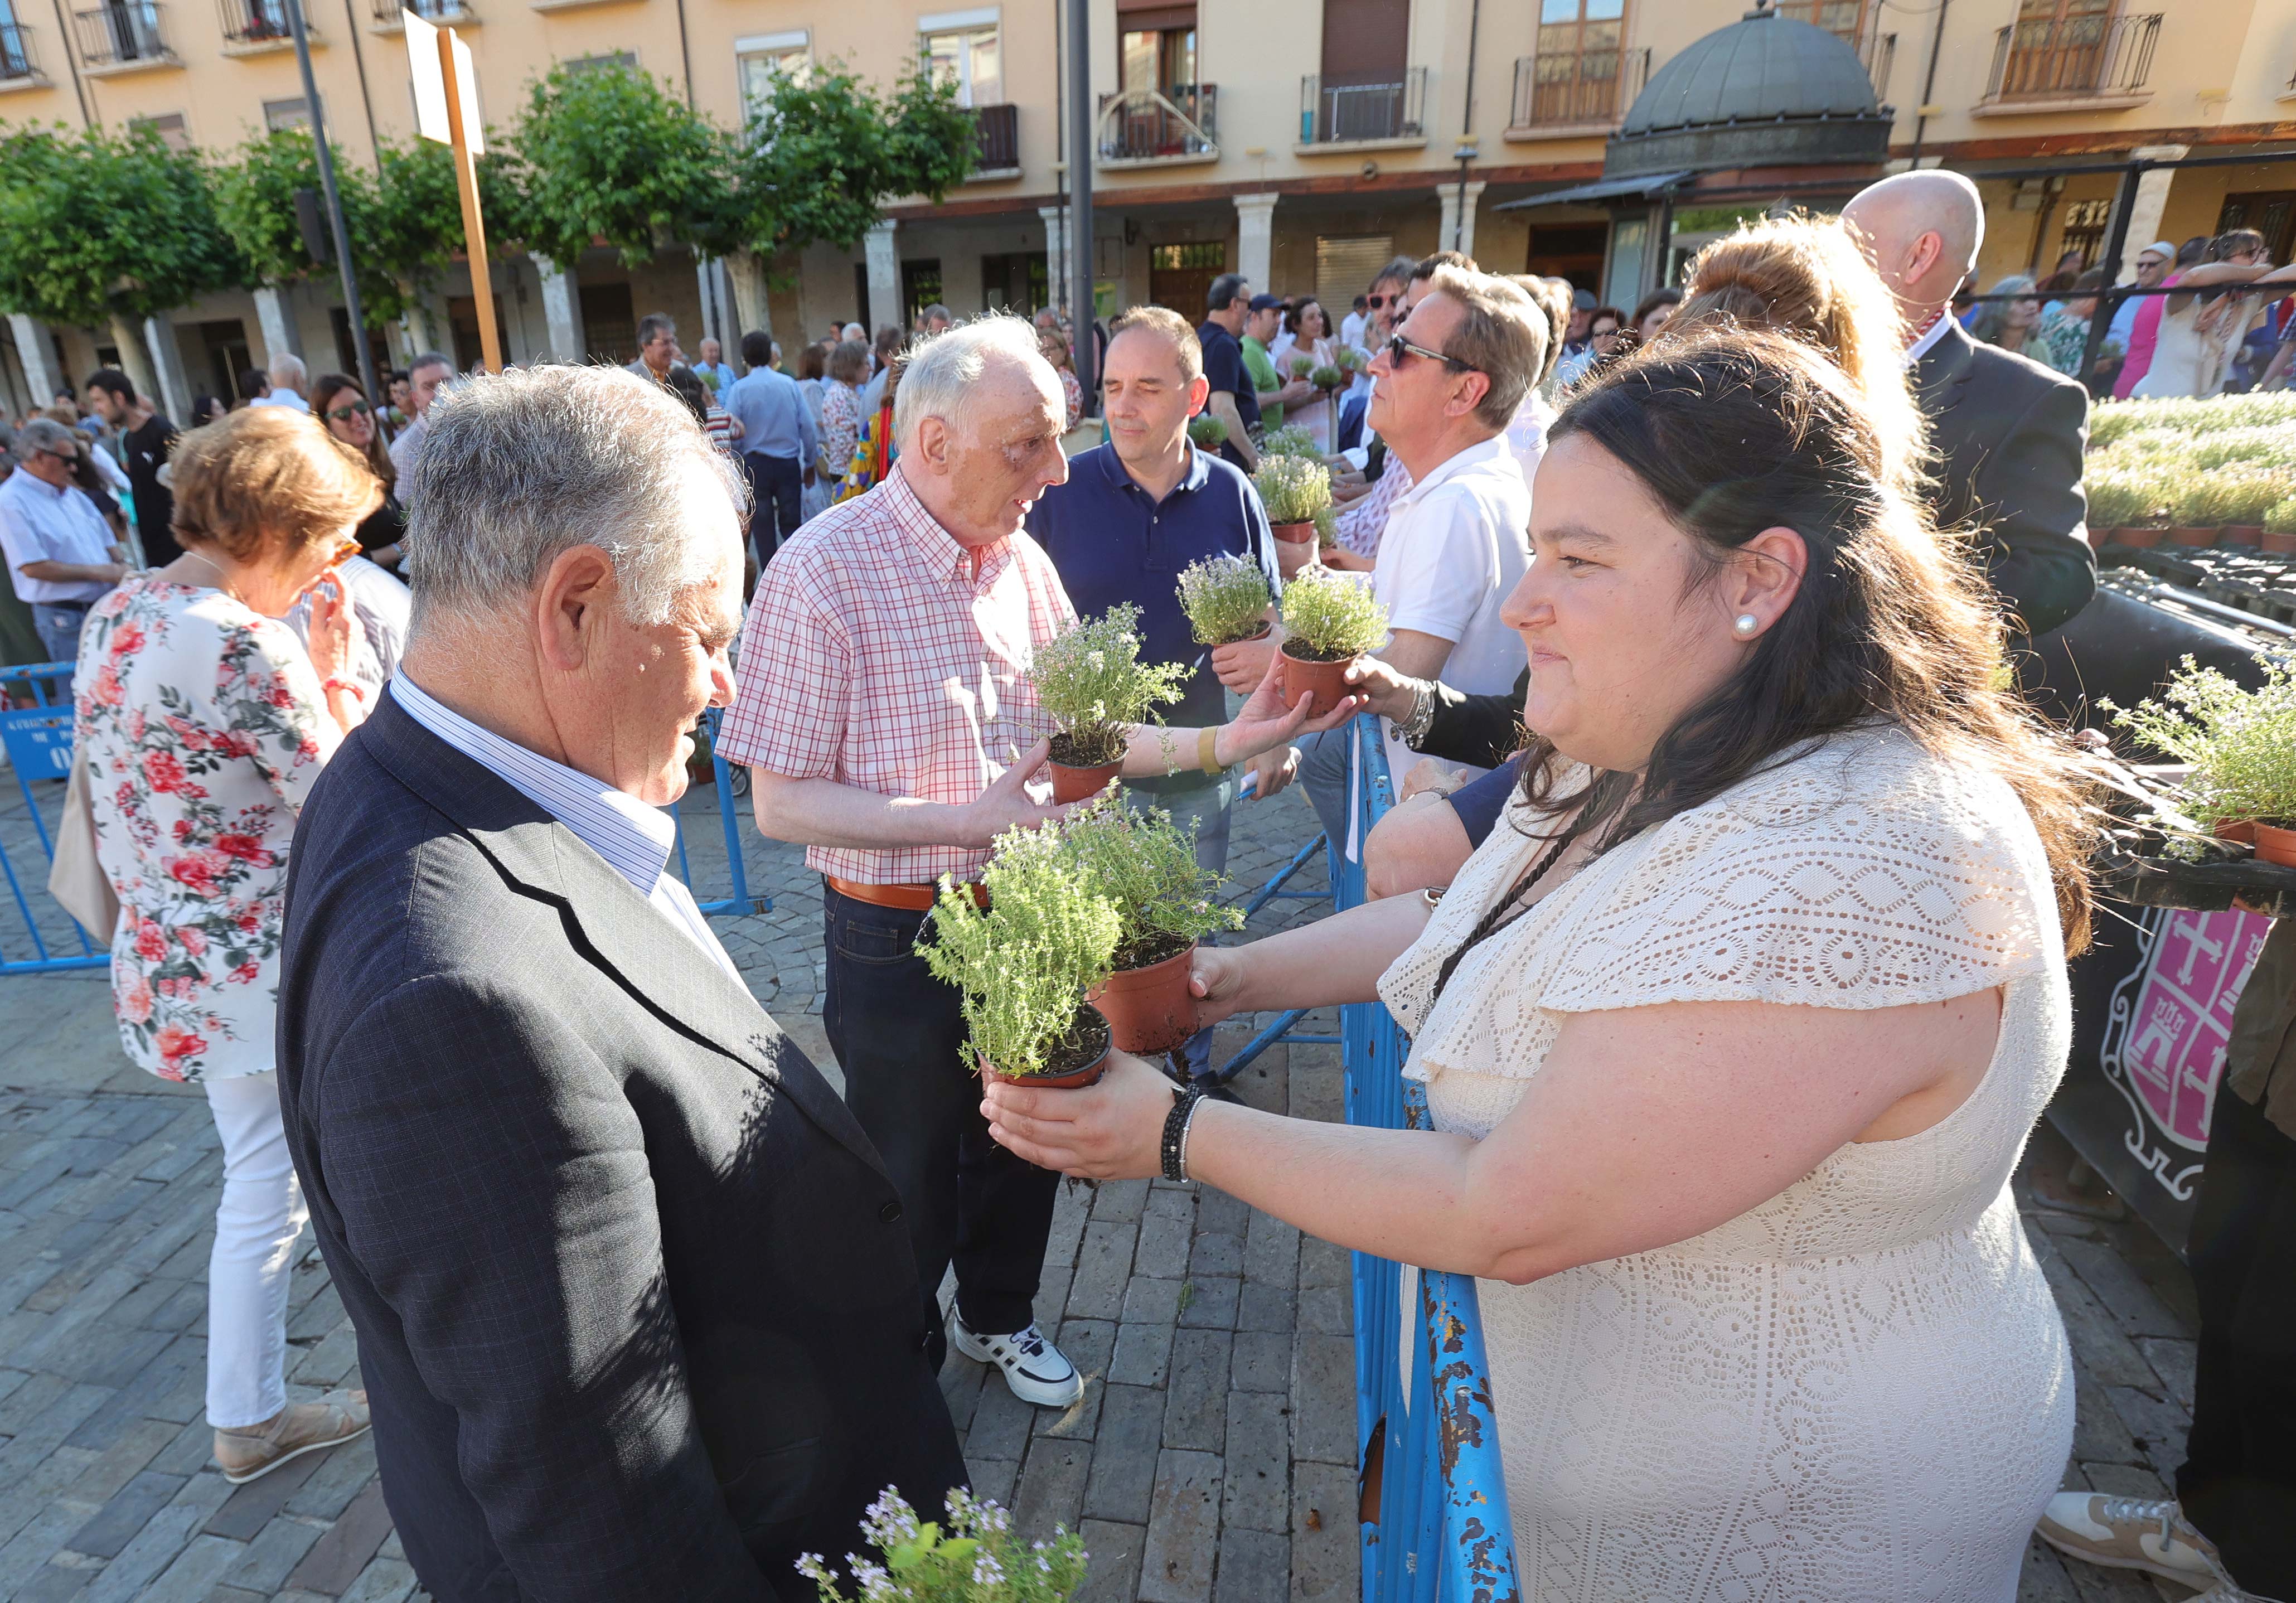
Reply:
x=1079 y=1061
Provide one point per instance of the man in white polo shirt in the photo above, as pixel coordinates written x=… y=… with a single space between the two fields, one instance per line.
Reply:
x=1444 y=387
x=61 y=555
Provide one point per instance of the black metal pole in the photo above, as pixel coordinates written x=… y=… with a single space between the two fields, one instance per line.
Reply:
x=2116 y=241
x=1082 y=355
x=334 y=203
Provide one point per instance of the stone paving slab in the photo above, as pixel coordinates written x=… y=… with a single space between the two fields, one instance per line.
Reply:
x=1211 y=1460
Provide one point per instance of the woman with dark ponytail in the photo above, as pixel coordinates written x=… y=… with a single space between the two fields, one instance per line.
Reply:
x=1732 y=1032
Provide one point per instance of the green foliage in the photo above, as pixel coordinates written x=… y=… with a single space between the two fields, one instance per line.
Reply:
x=2281 y=519
x=95 y=226
x=1092 y=682
x=1025 y=961
x=2109 y=425
x=1224 y=598
x=1146 y=866
x=1332 y=616
x=1327 y=528
x=2241 y=743
x=255 y=201
x=612 y=153
x=1293 y=489
x=1302 y=364
x=1329 y=377
x=2122 y=496
x=1208 y=431
x=1289 y=440
x=978 y=1559
x=2252 y=491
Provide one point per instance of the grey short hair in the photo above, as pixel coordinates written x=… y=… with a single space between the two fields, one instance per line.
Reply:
x=287 y=368
x=429 y=358
x=939 y=368
x=45 y=434
x=535 y=461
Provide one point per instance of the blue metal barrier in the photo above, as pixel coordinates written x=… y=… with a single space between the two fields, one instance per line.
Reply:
x=38 y=742
x=738 y=903
x=1431 y=1445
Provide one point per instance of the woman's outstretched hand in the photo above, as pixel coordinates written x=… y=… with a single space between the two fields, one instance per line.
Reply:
x=1268 y=721
x=1110 y=1131
x=1215 y=980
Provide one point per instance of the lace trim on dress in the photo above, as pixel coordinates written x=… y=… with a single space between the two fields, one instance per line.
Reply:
x=1865 y=873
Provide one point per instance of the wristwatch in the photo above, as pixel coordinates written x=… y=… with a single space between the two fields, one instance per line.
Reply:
x=1414 y=730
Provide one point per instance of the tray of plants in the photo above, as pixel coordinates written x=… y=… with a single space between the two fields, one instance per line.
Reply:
x=1092 y=682
x=2218 y=829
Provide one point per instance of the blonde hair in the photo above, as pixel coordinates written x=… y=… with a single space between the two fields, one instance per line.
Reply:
x=269 y=480
x=1174 y=328
x=1805 y=276
x=1502 y=336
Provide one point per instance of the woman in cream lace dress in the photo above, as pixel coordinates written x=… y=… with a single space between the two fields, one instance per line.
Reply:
x=1730 y=1040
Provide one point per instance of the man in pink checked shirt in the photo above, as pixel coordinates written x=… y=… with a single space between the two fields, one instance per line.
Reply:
x=885 y=710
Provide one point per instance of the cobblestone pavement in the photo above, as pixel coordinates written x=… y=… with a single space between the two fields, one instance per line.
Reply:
x=1210 y=1461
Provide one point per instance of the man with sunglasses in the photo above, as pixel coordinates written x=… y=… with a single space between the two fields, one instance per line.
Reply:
x=60 y=551
x=1383 y=310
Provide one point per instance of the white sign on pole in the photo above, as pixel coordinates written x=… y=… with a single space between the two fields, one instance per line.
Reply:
x=423 y=66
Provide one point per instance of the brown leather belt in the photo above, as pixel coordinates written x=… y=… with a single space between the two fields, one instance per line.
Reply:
x=909 y=897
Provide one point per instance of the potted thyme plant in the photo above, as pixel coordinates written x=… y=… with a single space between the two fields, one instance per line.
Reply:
x=2241 y=745
x=1329 y=620
x=1293 y=490
x=1225 y=599
x=1025 y=960
x=1208 y=432
x=1092 y=680
x=1145 y=864
x=1289 y=440
x=977 y=1559
x=2280 y=527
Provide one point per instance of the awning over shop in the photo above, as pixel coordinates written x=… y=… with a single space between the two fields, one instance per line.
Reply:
x=1650 y=186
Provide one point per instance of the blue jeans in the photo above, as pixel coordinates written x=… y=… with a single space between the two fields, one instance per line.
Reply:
x=1325 y=763
x=900 y=1039
x=59 y=629
x=1205 y=811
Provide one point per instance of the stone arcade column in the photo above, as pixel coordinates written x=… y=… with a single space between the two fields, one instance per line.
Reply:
x=175 y=395
x=1448 y=194
x=884 y=279
x=1255 y=239
x=561 y=311
x=38 y=352
x=278 y=323
x=2151 y=200
x=1056 y=253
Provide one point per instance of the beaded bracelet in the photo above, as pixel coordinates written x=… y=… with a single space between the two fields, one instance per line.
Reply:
x=1175 y=1147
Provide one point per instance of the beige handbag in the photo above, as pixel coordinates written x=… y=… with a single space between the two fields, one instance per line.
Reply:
x=75 y=879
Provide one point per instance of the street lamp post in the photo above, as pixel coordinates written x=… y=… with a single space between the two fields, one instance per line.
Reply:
x=343 y=263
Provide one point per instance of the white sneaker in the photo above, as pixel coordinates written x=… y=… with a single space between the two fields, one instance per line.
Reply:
x=1031 y=1366
x=2126 y=1533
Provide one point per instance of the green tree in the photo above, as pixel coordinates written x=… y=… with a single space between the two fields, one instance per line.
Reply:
x=819 y=159
x=105 y=230
x=609 y=153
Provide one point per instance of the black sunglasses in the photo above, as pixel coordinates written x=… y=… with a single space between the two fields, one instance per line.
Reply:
x=1397 y=347
x=344 y=413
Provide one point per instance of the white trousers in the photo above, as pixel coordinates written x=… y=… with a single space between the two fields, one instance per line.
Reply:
x=257 y=1222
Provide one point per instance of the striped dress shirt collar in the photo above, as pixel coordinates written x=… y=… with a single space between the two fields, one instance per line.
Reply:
x=633 y=838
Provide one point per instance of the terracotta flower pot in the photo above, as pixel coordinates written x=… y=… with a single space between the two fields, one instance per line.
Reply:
x=2280 y=544
x=2188 y=535
x=2240 y=831
x=1149 y=1010
x=2243 y=534
x=1258 y=634
x=1326 y=682
x=2140 y=536
x=1294 y=534
x=2274 y=845
x=1082 y=784
x=1074 y=1078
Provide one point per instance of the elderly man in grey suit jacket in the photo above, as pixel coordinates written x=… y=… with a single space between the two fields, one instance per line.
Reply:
x=636 y=1305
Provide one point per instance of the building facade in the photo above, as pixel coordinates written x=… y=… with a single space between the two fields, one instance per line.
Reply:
x=1298 y=142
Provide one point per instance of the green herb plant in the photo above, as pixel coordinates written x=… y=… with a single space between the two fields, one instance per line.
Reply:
x=1302 y=364
x=1147 y=864
x=1093 y=683
x=977 y=1559
x=1289 y=440
x=1329 y=377
x=2281 y=519
x=1328 y=618
x=2241 y=743
x=1225 y=599
x=1208 y=432
x=1293 y=489
x=1024 y=962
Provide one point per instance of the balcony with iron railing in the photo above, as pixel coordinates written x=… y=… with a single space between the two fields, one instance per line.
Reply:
x=252 y=26
x=1169 y=126
x=2072 y=64
x=19 y=68
x=1560 y=94
x=997 y=142
x=1358 y=110
x=445 y=13
x=122 y=36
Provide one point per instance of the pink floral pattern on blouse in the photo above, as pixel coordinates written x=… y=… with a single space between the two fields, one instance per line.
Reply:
x=204 y=728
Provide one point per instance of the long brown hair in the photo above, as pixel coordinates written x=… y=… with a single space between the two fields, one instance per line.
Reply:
x=1737 y=431
x=378 y=455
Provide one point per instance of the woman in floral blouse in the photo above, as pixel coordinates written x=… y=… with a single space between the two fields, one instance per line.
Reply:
x=205 y=722
x=841 y=407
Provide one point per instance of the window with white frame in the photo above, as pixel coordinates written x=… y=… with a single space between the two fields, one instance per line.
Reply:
x=762 y=57
x=961 y=48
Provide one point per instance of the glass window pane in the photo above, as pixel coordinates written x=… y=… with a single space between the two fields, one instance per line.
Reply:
x=1139 y=58
x=1558 y=11
x=1605 y=11
x=988 y=80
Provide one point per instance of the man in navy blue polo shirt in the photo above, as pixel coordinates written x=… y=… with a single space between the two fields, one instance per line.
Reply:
x=1133 y=513
x=1232 y=395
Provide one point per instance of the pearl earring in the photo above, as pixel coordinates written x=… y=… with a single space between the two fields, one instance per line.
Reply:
x=1746 y=626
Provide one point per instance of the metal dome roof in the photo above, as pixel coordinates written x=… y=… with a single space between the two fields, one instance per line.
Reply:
x=1764 y=90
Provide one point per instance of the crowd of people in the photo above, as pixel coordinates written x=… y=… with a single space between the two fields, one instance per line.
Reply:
x=1727 y=910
